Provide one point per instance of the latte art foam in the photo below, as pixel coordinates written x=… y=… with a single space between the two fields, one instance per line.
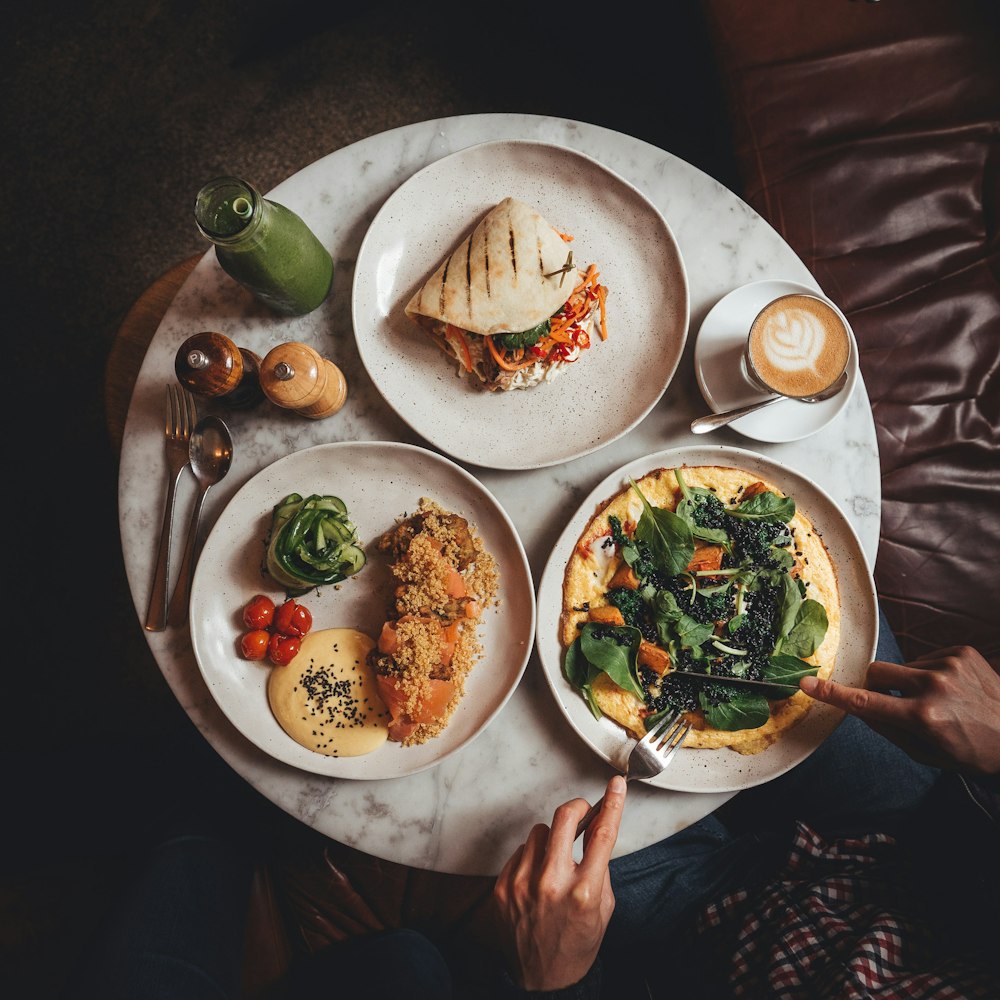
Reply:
x=798 y=346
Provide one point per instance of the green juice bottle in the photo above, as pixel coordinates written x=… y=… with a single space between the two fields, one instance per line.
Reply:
x=264 y=246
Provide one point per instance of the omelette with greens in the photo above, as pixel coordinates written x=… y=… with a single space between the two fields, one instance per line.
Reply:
x=710 y=571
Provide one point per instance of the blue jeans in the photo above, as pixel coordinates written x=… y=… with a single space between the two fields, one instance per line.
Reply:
x=856 y=778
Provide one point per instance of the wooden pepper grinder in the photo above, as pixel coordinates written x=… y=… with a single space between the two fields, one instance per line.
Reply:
x=296 y=377
x=210 y=364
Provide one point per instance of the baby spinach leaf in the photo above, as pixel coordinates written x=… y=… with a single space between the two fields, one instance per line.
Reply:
x=789 y=602
x=807 y=631
x=685 y=511
x=581 y=675
x=765 y=506
x=692 y=633
x=667 y=536
x=692 y=496
x=525 y=338
x=630 y=553
x=673 y=623
x=628 y=549
x=617 y=661
x=782 y=557
x=784 y=669
x=710 y=590
x=575 y=667
x=744 y=711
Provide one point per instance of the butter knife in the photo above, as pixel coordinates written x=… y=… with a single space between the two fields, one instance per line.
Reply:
x=735 y=680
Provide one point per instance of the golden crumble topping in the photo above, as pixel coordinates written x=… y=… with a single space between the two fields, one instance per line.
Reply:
x=445 y=579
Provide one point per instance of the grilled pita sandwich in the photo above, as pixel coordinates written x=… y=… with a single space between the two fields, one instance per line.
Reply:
x=509 y=305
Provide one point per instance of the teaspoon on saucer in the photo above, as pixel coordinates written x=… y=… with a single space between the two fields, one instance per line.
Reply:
x=702 y=425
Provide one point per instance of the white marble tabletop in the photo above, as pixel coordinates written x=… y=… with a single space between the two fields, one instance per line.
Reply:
x=447 y=818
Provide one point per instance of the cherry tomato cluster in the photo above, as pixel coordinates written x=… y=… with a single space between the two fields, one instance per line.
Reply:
x=274 y=631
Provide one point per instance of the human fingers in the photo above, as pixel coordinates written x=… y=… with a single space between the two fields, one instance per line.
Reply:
x=562 y=834
x=886 y=676
x=521 y=866
x=511 y=865
x=937 y=654
x=966 y=660
x=870 y=706
x=534 y=848
x=599 y=840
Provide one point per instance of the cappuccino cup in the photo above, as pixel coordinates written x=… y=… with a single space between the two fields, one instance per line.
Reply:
x=798 y=346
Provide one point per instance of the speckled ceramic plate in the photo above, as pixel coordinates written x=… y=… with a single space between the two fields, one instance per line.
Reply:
x=597 y=399
x=720 y=770
x=379 y=482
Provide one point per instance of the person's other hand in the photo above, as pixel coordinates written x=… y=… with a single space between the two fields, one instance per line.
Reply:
x=948 y=714
x=553 y=911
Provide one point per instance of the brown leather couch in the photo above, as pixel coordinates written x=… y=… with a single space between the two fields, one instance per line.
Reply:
x=867 y=135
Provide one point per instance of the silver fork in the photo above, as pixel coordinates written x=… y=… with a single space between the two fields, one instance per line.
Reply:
x=181 y=417
x=648 y=757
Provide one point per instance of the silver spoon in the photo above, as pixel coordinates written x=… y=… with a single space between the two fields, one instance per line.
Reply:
x=211 y=451
x=702 y=425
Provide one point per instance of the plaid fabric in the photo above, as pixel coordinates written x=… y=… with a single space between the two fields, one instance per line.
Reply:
x=838 y=922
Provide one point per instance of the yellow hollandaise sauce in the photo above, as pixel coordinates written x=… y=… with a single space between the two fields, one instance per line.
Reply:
x=327 y=698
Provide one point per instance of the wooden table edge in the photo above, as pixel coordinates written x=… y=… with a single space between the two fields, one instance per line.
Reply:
x=131 y=343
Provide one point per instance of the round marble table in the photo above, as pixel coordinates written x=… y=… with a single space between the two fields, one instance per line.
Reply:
x=467 y=814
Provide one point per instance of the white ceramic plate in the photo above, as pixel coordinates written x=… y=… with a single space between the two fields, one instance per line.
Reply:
x=597 y=399
x=719 y=346
x=379 y=482
x=720 y=770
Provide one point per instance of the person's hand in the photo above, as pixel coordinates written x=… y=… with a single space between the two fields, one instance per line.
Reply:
x=948 y=714
x=553 y=911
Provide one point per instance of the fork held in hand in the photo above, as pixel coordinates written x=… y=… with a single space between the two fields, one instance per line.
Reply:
x=181 y=417
x=648 y=757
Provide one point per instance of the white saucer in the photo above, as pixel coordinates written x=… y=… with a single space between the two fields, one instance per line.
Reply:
x=717 y=351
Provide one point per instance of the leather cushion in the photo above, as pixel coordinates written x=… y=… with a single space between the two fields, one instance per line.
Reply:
x=867 y=135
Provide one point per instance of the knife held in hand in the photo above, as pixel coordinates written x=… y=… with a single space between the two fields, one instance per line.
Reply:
x=736 y=680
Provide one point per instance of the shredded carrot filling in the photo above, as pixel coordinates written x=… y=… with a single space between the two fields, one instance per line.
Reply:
x=579 y=303
x=564 y=328
x=506 y=365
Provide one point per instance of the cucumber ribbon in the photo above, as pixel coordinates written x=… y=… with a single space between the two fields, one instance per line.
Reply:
x=312 y=542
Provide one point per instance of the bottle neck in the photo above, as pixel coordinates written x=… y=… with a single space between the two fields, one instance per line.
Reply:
x=228 y=211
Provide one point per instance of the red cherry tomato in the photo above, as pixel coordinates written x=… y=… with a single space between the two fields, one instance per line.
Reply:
x=253 y=645
x=292 y=619
x=282 y=649
x=259 y=612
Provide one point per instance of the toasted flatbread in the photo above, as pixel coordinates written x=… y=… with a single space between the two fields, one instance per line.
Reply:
x=509 y=306
x=506 y=276
x=595 y=561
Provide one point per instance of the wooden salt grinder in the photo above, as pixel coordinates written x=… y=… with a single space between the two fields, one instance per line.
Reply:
x=298 y=378
x=209 y=364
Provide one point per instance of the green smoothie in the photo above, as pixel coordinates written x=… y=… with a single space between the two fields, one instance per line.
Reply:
x=264 y=246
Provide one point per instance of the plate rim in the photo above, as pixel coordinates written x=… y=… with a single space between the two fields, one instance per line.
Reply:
x=325 y=766
x=553 y=573
x=683 y=287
